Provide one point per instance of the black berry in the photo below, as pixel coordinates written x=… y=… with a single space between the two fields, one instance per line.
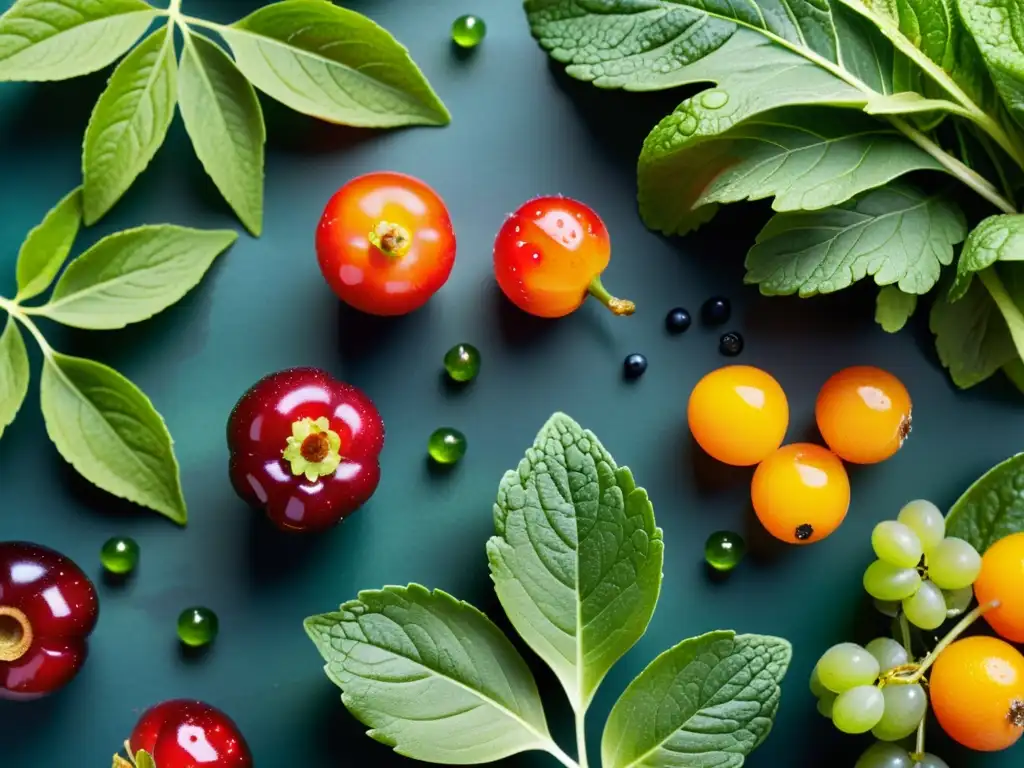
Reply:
x=804 y=532
x=715 y=311
x=677 y=320
x=731 y=344
x=634 y=365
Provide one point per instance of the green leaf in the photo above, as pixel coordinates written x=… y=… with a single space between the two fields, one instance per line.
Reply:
x=108 y=430
x=707 y=702
x=996 y=26
x=47 y=246
x=997 y=238
x=431 y=676
x=897 y=234
x=143 y=760
x=577 y=558
x=334 y=64
x=14 y=373
x=993 y=507
x=61 y=39
x=130 y=276
x=129 y=122
x=1014 y=371
x=894 y=308
x=223 y=118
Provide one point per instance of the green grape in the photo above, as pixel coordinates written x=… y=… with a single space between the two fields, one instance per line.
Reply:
x=924 y=519
x=885 y=581
x=926 y=608
x=905 y=706
x=888 y=653
x=929 y=760
x=859 y=709
x=953 y=564
x=847 y=666
x=958 y=600
x=883 y=755
x=817 y=688
x=897 y=544
x=890 y=608
x=825 y=704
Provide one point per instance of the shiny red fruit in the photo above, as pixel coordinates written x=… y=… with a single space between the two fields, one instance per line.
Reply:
x=48 y=609
x=385 y=243
x=305 y=447
x=190 y=734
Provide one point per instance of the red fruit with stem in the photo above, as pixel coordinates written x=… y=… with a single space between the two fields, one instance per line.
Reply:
x=48 y=609
x=190 y=734
x=305 y=448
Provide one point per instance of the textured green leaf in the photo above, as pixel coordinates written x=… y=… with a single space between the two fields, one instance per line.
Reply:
x=14 y=373
x=108 y=430
x=894 y=308
x=992 y=508
x=577 y=558
x=61 y=39
x=997 y=238
x=129 y=122
x=225 y=122
x=48 y=245
x=897 y=234
x=998 y=29
x=706 y=703
x=334 y=64
x=130 y=276
x=431 y=676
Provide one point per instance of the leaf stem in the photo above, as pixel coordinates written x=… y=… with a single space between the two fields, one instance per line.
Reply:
x=555 y=751
x=197 y=22
x=1011 y=312
x=174 y=9
x=581 y=737
x=21 y=314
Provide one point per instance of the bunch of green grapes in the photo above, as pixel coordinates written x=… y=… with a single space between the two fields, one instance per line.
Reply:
x=883 y=755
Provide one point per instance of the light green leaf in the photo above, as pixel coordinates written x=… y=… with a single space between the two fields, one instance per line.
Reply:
x=992 y=508
x=997 y=238
x=894 y=308
x=130 y=276
x=706 y=703
x=577 y=558
x=129 y=122
x=143 y=760
x=431 y=676
x=108 y=430
x=997 y=27
x=223 y=118
x=14 y=373
x=47 y=246
x=897 y=234
x=334 y=64
x=908 y=103
x=61 y=39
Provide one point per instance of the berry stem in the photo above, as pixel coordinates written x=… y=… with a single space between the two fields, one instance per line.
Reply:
x=390 y=239
x=953 y=634
x=905 y=635
x=918 y=754
x=621 y=307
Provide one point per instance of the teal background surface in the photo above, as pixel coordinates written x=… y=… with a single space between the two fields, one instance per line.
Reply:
x=520 y=128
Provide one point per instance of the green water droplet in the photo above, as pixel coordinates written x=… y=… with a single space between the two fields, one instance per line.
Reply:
x=714 y=99
x=724 y=550
x=468 y=31
x=197 y=626
x=462 y=362
x=688 y=125
x=446 y=445
x=120 y=555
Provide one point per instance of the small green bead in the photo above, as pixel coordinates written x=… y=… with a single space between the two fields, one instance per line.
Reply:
x=468 y=31
x=120 y=555
x=724 y=550
x=197 y=626
x=462 y=362
x=446 y=445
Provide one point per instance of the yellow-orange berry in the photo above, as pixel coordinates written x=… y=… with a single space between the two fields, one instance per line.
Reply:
x=1002 y=579
x=863 y=414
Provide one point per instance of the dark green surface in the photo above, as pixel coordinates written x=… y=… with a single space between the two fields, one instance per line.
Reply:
x=520 y=128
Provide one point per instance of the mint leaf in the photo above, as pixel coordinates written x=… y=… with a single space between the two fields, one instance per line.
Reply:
x=897 y=234
x=143 y=760
x=894 y=308
x=709 y=701
x=996 y=26
x=108 y=430
x=47 y=246
x=296 y=52
x=997 y=238
x=130 y=276
x=431 y=676
x=577 y=558
x=14 y=373
x=223 y=118
x=61 y=39
x=129 y=122
x=992 y=508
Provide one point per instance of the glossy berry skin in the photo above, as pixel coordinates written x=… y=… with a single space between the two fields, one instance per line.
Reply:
x=198 y=627
x=724 y=549
x=190 y=734
x=549 y=256
x=262 y=427
x=731 y=344
x=716 y=311
x=801 y=493
x=634 y=365
x=863 y=414
x=677 y=320
x=48 y=609
x=385 y=243
x=1001 y=578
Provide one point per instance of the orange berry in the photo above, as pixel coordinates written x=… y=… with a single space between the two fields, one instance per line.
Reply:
x=863 y=414
x=1002 y=578
x=738 y=414
x=977 y=693
x=801 y=493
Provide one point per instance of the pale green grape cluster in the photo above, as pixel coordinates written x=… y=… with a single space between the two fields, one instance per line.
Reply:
x=919 y=570
x=884 y=755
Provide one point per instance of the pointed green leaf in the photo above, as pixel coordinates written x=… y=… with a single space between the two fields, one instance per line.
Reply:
x=996 y=26
x=61 y=39
x=130 y=276
x=14 y=373
x=894 y=308
x=304 y=54
x=997 y=238
x=431 y=676
x=47 y=246
x=577 y=558
x=225 y=122
x=129 y=122
x=143 y=760
x=992 y=508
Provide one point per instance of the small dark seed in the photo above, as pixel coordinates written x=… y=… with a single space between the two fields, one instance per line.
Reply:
x=634 y=365
x=804 y=532
x=677 y=320
x=731 y=344
x=715 y=311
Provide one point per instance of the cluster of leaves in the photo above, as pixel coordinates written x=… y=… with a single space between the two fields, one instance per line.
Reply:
x=577 y=565
x=857 y=118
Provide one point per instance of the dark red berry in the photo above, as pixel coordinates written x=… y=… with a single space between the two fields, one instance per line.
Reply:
x=190 y=734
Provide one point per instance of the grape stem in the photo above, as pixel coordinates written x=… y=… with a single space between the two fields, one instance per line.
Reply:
x=926 y=663
x=918 y=754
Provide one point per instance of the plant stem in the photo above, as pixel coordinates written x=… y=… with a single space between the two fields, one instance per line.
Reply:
x=581 y=738
x=19 y=314
x=905 y=633
x=919 y=745
x=174 y=9
x=954 y=633
x=555 y=751
x=1007 y=306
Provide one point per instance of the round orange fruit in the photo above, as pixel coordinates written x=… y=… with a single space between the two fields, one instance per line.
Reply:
x=1002 y=579
x=863 y=413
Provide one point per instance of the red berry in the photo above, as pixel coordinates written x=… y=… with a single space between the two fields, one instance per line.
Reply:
x=190 y=734
x=48 y=609
x=305 y=448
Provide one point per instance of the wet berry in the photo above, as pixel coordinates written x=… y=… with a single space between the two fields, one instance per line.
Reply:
x=677 y=320
x=634 y=365
x=731 y=344
x=715 y=311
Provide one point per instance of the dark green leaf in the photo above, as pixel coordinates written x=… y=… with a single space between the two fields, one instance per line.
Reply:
x=993 y=507
x=894 y=308
x=997 y=28
x=47 y=246
x=14 y=373
x=997 y=238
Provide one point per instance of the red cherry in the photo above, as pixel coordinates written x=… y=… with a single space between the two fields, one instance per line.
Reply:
x=190 y=734
x=48 y=609
x=305 y=448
